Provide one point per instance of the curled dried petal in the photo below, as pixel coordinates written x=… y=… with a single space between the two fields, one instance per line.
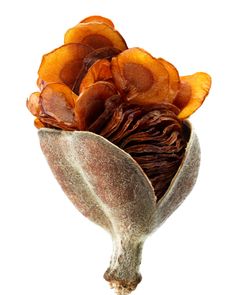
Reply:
x=98 y=18
x=90 y=59
x=140 y=77
x=39 y=124
x=90 y=103
x=99 y=71
x=63 y=64
x=96 y=35
x=174 y=79
x=100 y=53
x=32 y=103
x=193 y=91
x=57 y=103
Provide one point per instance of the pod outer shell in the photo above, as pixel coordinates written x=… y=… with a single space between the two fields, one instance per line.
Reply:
x=108 y=186
x=103 y=181
x=183 y=181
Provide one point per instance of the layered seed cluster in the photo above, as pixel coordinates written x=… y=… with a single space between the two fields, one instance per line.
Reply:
x=94 y=82
x=152 y=135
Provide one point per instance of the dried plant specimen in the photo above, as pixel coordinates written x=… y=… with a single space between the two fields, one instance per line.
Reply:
x=113 y=128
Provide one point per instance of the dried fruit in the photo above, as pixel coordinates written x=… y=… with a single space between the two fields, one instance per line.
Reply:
x=114 y=118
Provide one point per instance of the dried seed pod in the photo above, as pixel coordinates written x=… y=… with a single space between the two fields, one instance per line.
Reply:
x=112 y=127
x=111 y=189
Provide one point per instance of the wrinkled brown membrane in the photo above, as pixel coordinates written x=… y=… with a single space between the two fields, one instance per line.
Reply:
x=152 y=135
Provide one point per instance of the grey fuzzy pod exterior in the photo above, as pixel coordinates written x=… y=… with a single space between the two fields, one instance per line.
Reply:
x=108 y=186
x=183 y=182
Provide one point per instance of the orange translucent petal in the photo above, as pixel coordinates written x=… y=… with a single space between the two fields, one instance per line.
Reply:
x=63 y=64
x=40 y=83
x=90 y=103
x=174 y=79
x=99 y=71
x=58 y=101
x=193 y=91
x=38 y=124
x=98 y=18
x=96 y=35
x=32 y=103
x=140 y=77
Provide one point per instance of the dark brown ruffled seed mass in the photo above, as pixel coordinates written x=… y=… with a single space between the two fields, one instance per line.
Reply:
x=152 y=135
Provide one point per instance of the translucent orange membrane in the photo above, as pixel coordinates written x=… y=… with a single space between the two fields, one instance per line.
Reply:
x=141 y=78
x=57 y=102
x=99 y=71
x=90 y=103
x=32 y=103
x=96 y=35
x=98 y=18
x=174 y=79
x=63 y=64
x=193 y=91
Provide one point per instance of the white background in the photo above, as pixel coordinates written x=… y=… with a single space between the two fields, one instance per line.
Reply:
x=46 y=246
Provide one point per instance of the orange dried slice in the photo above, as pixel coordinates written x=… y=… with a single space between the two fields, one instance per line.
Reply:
x=90 y=59
x=98 y=18
x=99 y=71
x=140 y=77
x=193 y=91
x=174 y=79
x=38 y=124
x=41 y=83
x=63 y=64
x=96 y=35
x=100 y=53
x=90 y=103
x=58 y=101
x=32 y=104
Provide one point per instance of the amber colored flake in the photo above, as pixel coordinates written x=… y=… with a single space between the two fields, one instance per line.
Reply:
x=90 y=59
x=57 y=102
x=98 y=18
x=140 y=77
x=90 y=103
x=32 y=103
x=99 y=71
x=63 y=64
x=193 y=91
x=174 y=79
x=38 y=124
x=96 y=35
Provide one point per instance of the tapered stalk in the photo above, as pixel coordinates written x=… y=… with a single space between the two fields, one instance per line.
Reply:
x=123 y=273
